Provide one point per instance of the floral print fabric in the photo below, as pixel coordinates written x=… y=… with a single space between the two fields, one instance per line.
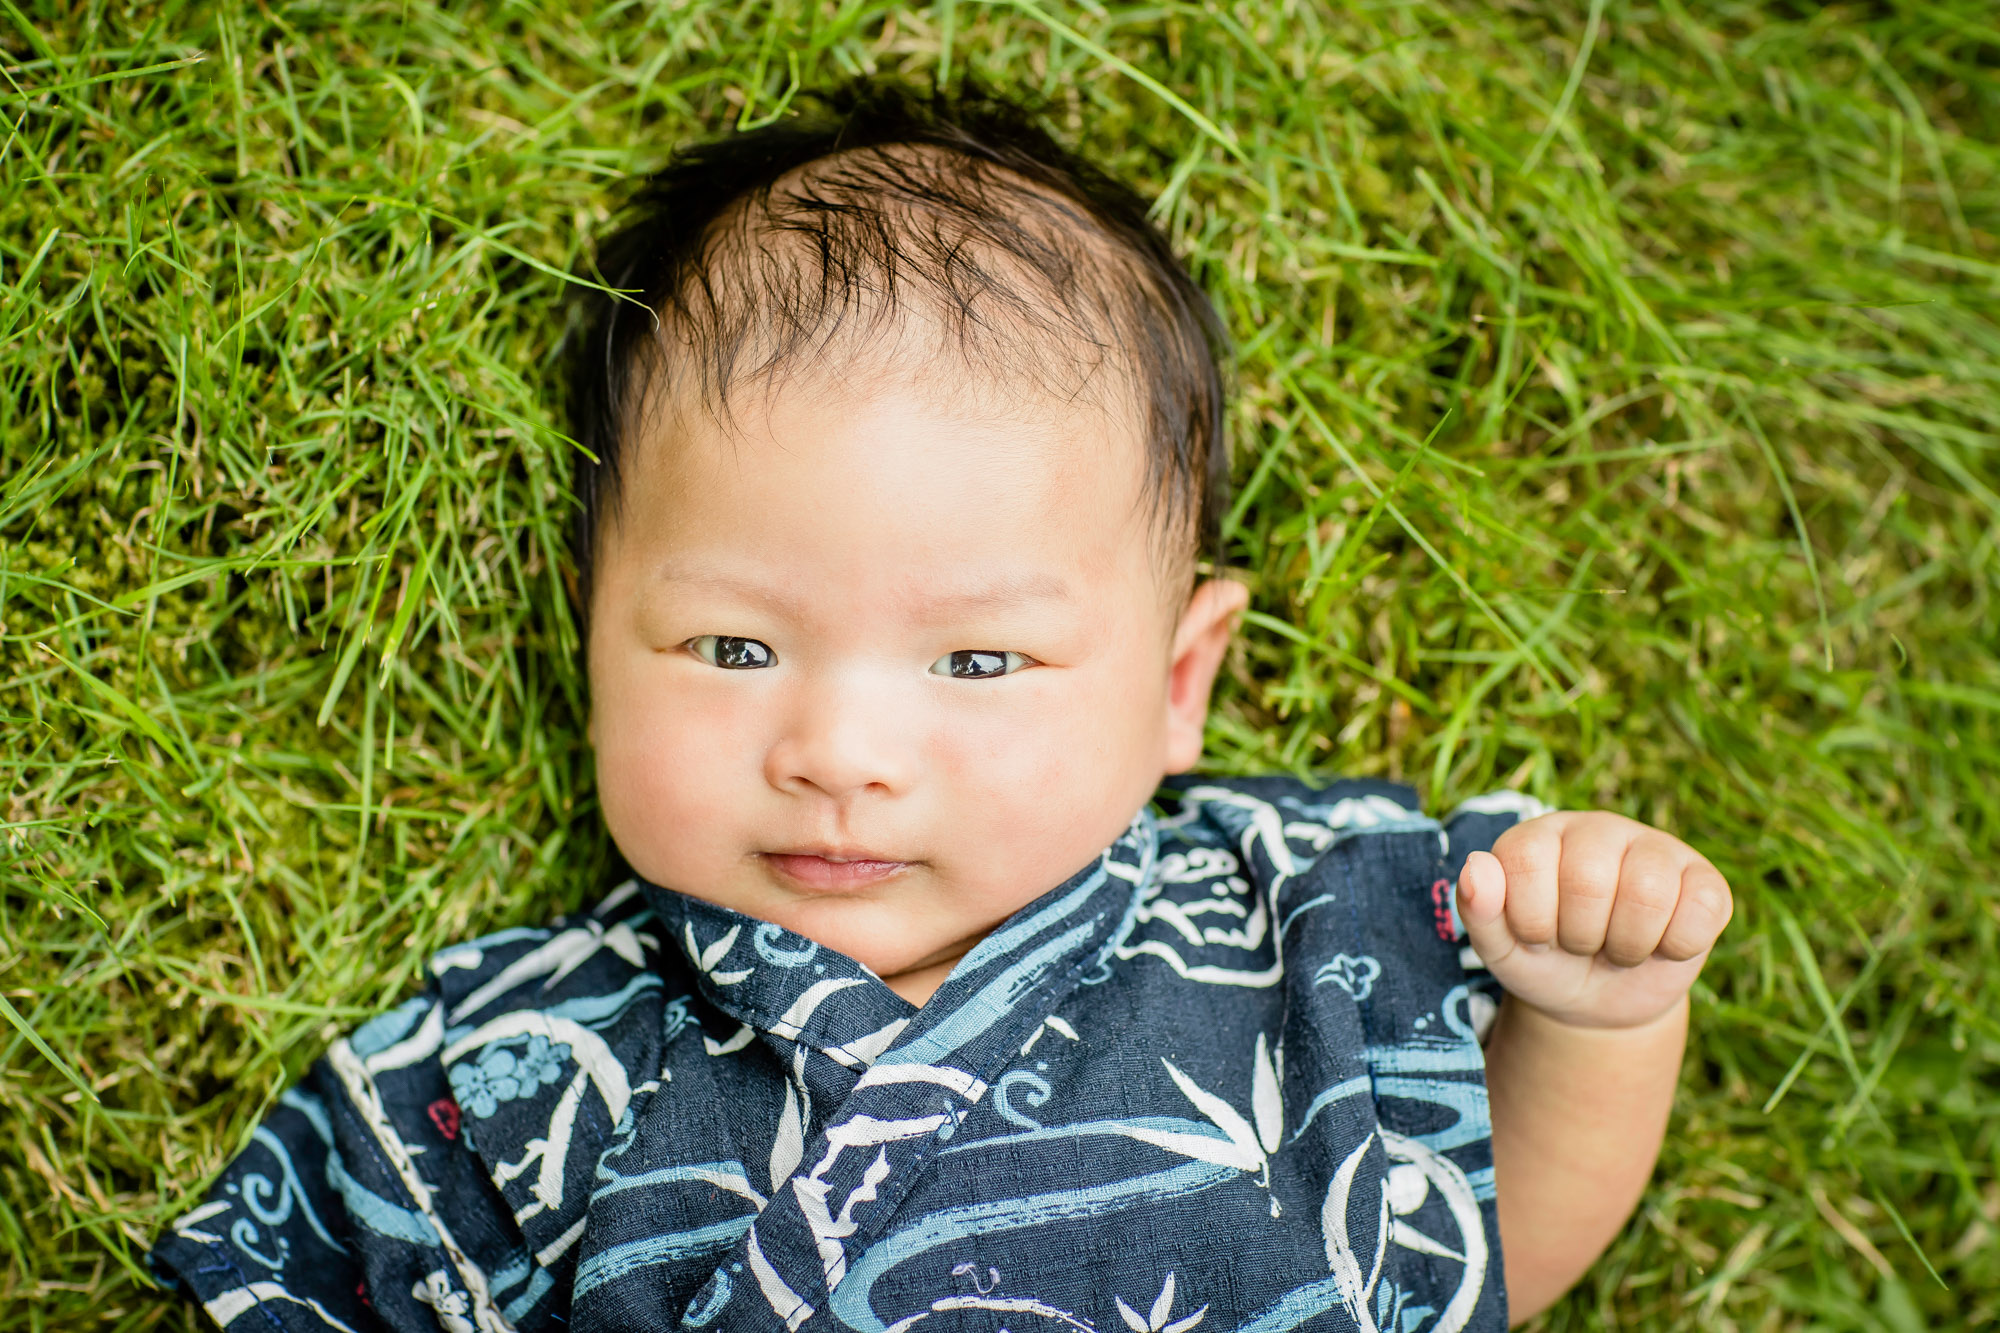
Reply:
x=1227 y=1077
x=501 y=1075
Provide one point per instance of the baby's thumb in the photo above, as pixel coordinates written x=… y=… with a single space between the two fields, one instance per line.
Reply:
x=1482 y=906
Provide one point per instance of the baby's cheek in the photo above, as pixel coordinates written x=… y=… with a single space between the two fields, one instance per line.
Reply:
x=1059 y=780
x=1023 y=756
x=661 y=771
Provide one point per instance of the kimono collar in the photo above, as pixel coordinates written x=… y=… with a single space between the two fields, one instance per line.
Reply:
x=781 y=983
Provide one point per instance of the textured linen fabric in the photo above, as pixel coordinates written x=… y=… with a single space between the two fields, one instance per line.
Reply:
x=1226 y=1077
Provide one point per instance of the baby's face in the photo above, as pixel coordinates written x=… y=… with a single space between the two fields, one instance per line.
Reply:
x=883 y=664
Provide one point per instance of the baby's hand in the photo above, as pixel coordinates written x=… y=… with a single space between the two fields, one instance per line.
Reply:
x=1594 y=919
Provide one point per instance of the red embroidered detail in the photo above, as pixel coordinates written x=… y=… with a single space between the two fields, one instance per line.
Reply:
x=361 y=1290
x=444 y=1114
x=1441 y=910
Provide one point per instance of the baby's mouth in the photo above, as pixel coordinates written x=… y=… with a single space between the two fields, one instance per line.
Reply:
x=831 y=870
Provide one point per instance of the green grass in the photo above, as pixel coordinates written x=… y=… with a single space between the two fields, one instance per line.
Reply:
x=1619 y=418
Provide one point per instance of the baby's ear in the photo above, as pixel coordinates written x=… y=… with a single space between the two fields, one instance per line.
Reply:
x=1200 y=639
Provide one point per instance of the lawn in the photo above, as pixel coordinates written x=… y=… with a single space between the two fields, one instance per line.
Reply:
x=1618 y=418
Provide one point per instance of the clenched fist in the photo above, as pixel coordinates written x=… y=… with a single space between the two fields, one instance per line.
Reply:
x=1594 y=919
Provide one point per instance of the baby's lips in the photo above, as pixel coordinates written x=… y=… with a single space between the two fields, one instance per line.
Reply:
x=832 y=872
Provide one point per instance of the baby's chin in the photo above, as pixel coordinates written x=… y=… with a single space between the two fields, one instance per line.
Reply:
x=893 y=935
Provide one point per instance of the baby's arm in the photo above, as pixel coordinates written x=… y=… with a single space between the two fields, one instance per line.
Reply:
x=1596 y=926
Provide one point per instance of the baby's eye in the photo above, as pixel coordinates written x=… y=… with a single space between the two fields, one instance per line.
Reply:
x=732 y=653
x=979 y=663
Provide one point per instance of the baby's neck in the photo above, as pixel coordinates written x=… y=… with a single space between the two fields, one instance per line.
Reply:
x=920 y=983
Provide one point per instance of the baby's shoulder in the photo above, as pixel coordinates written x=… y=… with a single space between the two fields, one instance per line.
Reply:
x=1274 y=825
x=576 y=964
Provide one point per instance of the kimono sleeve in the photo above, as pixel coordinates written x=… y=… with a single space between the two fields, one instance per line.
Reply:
x=358 y=1203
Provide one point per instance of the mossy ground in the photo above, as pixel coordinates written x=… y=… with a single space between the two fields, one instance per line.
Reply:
x=1617 y=419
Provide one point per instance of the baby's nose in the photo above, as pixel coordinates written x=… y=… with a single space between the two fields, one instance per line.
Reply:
x=844 y=738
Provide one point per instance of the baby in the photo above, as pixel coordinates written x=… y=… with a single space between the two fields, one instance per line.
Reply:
x=928 y=1005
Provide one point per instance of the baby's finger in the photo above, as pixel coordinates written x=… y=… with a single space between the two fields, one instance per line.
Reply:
x=1704 y=909
x=1482 y=907
x=1530 y=853
x=1649 y=889
x=1587 y=882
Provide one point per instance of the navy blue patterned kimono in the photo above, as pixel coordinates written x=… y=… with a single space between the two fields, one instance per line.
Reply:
x=1226 y=1077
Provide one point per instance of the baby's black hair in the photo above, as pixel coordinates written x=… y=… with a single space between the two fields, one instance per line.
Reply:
x=892 y=201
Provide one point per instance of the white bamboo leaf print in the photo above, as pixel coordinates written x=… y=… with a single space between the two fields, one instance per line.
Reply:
x=742 y=1037
x=719 y=950
x=623 y=941
x=1222 y=1114
x=185 y=1226
x=1266 y=1103
x=1201 y=1147
x=1340 y=1256
x=790 y=1145
x=1162 y=1311
x=1164 y=1302
x=1410 y=1238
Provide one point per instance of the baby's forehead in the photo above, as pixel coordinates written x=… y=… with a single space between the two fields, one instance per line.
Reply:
x=965 y=417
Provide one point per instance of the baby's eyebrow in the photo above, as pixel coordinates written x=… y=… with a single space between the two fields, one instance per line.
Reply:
x=996 y=594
